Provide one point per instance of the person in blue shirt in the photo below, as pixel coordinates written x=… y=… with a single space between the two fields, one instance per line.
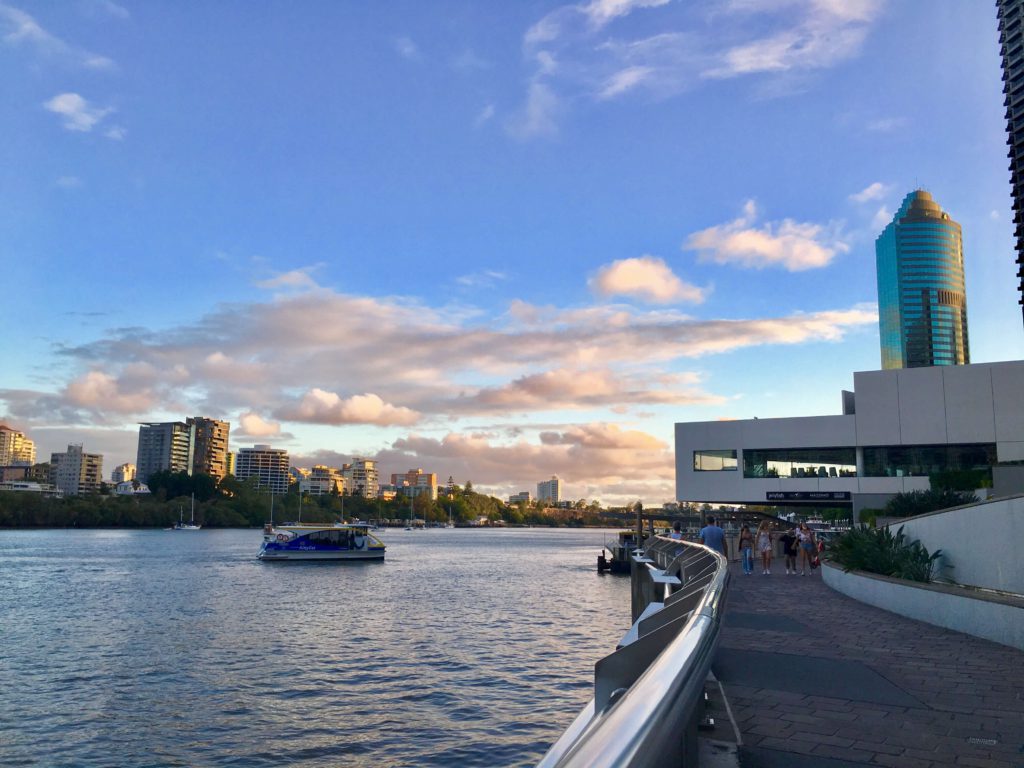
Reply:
x=712 y=536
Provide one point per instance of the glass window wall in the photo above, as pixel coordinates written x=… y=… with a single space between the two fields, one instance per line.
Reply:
x=714 y=461
x=800 y=462
x=925 y=460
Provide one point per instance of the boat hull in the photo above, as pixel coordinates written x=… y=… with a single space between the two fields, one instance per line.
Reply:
x=297 y=543
x=281 y=555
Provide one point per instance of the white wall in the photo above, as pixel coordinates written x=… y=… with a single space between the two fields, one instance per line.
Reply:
x=984 y=543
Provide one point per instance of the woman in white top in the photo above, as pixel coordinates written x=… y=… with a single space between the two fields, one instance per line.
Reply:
x=805 y=536
x=764 y=546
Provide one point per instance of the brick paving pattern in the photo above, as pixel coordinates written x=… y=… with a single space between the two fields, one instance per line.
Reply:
x=969 y=693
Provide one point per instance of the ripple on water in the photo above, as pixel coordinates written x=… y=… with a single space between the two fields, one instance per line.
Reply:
x=156 y=649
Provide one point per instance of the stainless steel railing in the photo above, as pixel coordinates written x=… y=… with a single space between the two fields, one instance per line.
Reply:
x=648 y=694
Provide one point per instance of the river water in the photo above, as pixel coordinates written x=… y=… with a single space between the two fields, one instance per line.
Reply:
x=155 y=648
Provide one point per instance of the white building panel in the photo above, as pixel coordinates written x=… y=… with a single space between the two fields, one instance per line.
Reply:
x=878 y=413
x=1008 y=395
x=806 y=431
x=970 y=413
x=922 y=406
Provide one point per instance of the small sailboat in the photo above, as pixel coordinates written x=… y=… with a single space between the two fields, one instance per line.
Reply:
x=408 y=527
x=191 y=524
x=449 y=524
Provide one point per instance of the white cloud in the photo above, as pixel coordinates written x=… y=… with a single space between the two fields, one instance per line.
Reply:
x=792 y=245
x=875 y=191
x=600 y=12
x=539 y=114
x=647 y=278
x=318 y=406
x=251 y=424
x=406 y=48
x=888 y=124
x=296 y=279
x=19 y=28
x=881 y=219
x=994 y=215
x=117 y=133
x=100 y=391
x=69 y=182
x=77 y=113
x=624 y=80
x=483 y=279
x=484 y=115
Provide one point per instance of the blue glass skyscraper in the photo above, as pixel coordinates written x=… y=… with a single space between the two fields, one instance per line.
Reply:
x=922 y=302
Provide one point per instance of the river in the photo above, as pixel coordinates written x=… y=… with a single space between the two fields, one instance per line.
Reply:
x=159 y=648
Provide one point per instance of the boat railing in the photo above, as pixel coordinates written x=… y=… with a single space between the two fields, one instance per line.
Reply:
x=648 y=694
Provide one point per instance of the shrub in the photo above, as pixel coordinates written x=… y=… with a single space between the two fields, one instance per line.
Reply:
x=918 y=502
x=879 y=550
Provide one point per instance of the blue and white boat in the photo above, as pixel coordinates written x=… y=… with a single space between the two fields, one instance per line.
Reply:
x=303 y=541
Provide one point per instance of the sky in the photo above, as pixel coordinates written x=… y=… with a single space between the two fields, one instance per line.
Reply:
x=496 y=241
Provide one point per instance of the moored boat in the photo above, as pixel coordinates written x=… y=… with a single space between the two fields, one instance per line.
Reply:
x=303 y=541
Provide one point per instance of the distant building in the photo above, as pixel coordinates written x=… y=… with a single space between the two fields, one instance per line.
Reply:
x=515 y=498
x=14 y=473
x=210 y=452
x=550 y=490
x=25 y=486
x=165 y=446
x=268 y=465
x=15 y=448
x=76 y=472
x=229 y=462
x=123 y=473
x=416 y=482
x=922 y=299
x=322 y=480
x=361 y=477
x=131 y=488
x=1011 y=40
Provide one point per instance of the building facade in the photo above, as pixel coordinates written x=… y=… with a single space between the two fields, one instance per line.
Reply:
x=210 y=454
x=515 y=498
x=361 y=477
x=550 y=490
x=123 y=473
x=164 y=446
x=1010 y=14
x=899 y=428
x=416 y=482
x=922 y=299
x=76 y=472
x=268 y=465
x=15 y=448
x=322 y=480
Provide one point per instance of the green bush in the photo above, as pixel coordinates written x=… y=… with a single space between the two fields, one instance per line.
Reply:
x=919 y=502
x=961 y=479
x=878 y=550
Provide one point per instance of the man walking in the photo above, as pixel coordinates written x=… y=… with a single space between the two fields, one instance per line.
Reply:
x=713 y=537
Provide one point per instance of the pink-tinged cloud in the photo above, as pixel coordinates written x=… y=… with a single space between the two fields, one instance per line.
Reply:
x=100 y=391
x=253 y=425
x=318 y=406
x=647 y=278
x=792 y=245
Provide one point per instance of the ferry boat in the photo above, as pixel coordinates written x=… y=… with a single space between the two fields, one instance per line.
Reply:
x=303 y=541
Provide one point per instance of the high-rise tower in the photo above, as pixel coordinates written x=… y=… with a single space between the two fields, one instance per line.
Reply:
x=210 y=455
x=1011 y=41
x=922 y=303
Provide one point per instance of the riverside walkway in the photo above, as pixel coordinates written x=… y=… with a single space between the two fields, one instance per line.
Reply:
x=818 y=680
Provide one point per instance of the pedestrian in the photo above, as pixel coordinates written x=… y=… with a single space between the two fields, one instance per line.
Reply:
x=713 y=537
x=677 y=530
x=789 y=548
x=746 y=545
x=764 y=546
x=808 y=547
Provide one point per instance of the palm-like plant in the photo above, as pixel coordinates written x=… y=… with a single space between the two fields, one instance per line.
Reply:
x=879 y=550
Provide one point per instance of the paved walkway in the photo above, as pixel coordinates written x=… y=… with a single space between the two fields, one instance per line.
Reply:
x=818 y=679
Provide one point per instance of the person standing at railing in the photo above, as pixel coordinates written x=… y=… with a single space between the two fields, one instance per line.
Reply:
x=677 y=530
x=746 y=545
x=764 y=546
x=713 y=537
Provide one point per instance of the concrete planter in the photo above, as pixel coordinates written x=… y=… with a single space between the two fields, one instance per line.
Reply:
x=995 y=617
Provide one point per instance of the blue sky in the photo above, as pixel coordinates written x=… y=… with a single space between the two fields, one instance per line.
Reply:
x=493 y=240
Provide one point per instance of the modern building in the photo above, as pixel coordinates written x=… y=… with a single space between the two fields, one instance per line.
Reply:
x=165 y=446
x=897 y=429
x=229 y=462
x=76 y=472
x=1010 y=14
x=322 y=480
x=515 y=498
x=416 y=482
x=922 y=299
x=15 y=448
x=210 y=454
x=268 y=465
x=550 y=490
x=361 y=477
x=131 y=488
x=123 y=473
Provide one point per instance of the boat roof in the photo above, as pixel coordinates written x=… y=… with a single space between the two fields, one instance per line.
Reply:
x=319 y=526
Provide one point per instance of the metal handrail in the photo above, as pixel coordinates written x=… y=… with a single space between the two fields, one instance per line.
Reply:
x=652 y=721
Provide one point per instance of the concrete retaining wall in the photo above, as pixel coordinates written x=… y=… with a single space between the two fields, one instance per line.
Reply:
x=992 y=617
x=982 y=544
